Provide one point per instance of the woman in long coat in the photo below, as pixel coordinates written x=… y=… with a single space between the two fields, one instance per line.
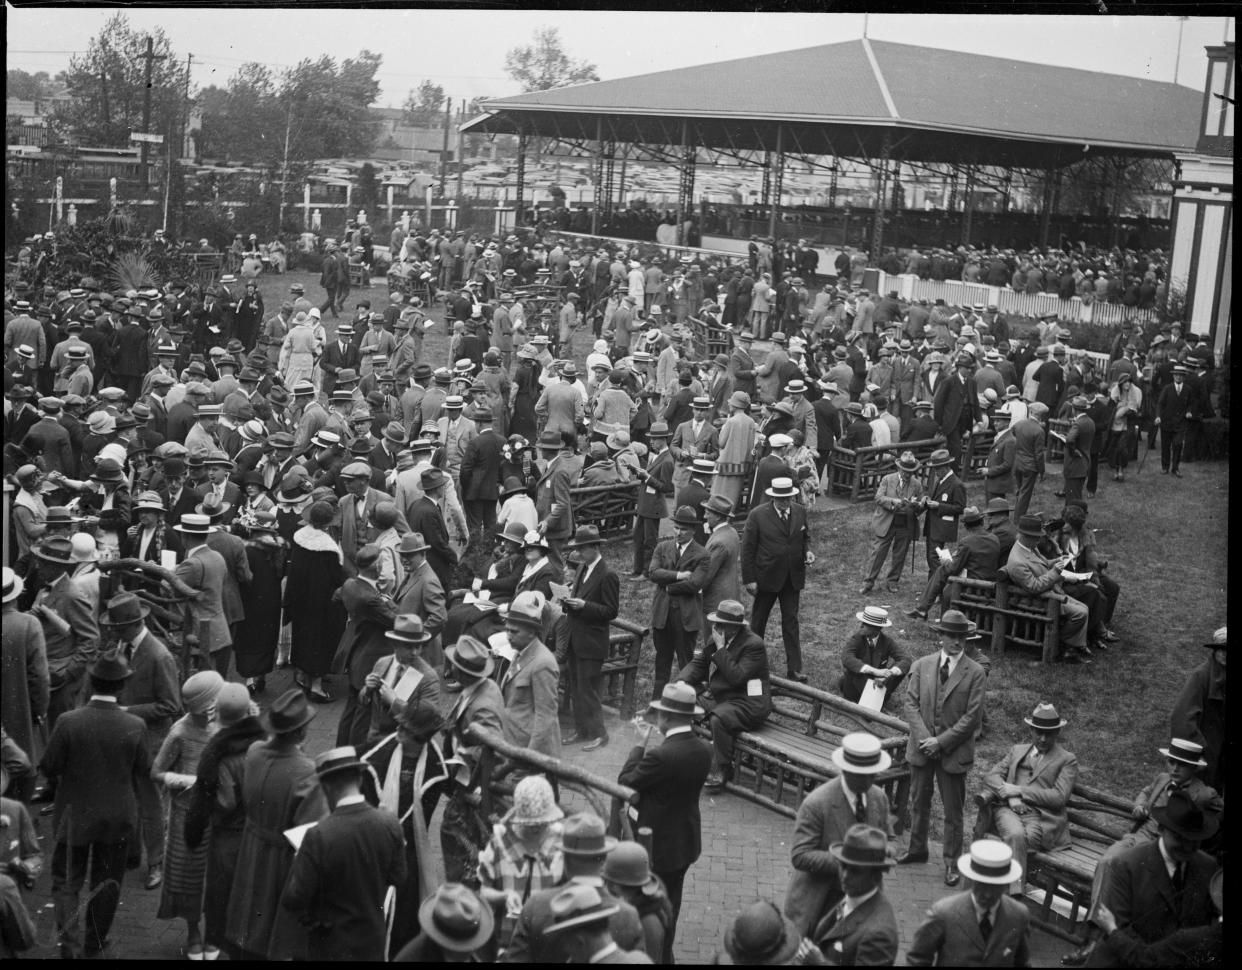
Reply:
x=24 y=689
x=255 y=653
x=280 y=791
x=316 y=571
x=526 y=391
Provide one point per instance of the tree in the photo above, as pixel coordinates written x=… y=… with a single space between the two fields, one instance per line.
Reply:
x=107 y=85
x=27 y=87
x=424 y=106
x=368 y=188
x=544 y=64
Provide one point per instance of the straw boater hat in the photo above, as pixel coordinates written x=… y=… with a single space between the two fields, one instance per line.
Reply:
x=1187 y=752
x=990 y=861
x=195 y=524
x=12 y=586
x=860 y=754
x=874 y=616
x=1045 y=718
x=344 y=758
x=781 y=488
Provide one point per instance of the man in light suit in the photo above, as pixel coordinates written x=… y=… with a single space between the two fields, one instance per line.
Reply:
x=860 y=930
x=421 y=594
x=371 y=616
x=594 y=603
x=894 y=522
x=530 y=684
x=358 y=509
x=1029 y=791
x=775 y=553
x=693 y=439
x=981 y=927
x=678 y=568
x=1027 y=568
x=944 y=706
x=669 y=779
x=724 y=547
x=203 y=569
x=553 y=504
x=237 y=566
x=70 y=629
x=824 y=819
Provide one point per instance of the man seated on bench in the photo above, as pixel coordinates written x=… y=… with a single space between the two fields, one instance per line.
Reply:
x=1183 y=763
x=873 y=656
x=1027 y=801
x=734 y=665
x=977 y=554
x=1036 y=575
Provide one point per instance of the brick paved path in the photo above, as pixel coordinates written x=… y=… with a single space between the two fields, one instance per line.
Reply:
x=745 y=856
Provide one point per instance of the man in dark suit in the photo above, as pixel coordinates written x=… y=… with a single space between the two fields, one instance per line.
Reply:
x=553 y=502
x=594 y=603
x=1174 y=408
x=944 y=705
x=371 y=615
x=427 y=519
x=775 y=553
x=696 y=492
x=734 y=666
x=1162 y=886
x=669 y=779
x=652 y=506
x=153 y=694
x=480 y=474
x=340 y=354
x=978 y=555
x=824 y=819
x=179 y=498
x=946 y=500
x=981 y=927
x=956 y=406
x=922 y=426
x=130 y=362
x=344 y=867
x=678 y=568
x=1079 y=441
x=871 y=654
x=97 y=756
x=861 y=930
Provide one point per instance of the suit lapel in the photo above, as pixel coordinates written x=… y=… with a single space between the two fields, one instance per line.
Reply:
x=959 y=672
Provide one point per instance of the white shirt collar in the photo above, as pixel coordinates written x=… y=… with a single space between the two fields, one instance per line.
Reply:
x=980 y=911
x=350 y=800
x=853 y=902
x=680 y=729
x=111 y=699
x=953 y=661
x=1170 y=864
x=603 y=954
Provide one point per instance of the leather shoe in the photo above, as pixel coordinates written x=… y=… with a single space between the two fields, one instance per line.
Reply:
x=571 y=738
x=951 y=876
x=797 y=675
x=906 y=858
x=867 y=588
x=714 y=782
x=1108 y=636
x=595 y=743
x=1077 y=958
x=916 y=614
x=155 y=876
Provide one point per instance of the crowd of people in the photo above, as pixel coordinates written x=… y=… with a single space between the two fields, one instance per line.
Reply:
x=401 y=533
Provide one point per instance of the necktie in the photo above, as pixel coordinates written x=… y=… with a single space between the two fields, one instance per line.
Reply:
x=944 y=671
x=398 y=673
x=985 y=926
x=785 y=518
x=1179 y=879
x=860 y=809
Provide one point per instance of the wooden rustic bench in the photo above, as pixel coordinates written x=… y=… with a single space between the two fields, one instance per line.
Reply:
x=975 y=451
x=1010 y=616
x=1068 y=873
x=1055 y=450
x=857 y=472
x=791 y=753
x=610 y=508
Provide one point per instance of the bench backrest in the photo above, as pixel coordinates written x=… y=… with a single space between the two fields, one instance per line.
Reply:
x=610 y=508
x=1098 y=816
x=817 y=713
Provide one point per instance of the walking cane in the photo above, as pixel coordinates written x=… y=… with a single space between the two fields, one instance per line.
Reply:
x=1143 y=460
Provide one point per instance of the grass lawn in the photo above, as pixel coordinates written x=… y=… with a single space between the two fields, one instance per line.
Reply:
x=1166 y=540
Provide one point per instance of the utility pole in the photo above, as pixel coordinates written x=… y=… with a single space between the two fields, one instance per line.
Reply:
x=149 y=56
x=284 y=167
x=448 y=121
x=1177 y=64
x=461 y=120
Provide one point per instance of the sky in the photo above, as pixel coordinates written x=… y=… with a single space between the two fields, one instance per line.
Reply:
x=467 y=51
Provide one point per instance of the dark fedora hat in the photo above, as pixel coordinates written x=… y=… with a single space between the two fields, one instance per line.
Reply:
x=864 y=846
x=719 y=504
x=122 y=609
x=584 y=834
x=1030 y=525
x=1181 y=815
x=954 y=622
x=585 y=535
x=290 y=711
x=729 y=611
x=470 y=655
x=432 y=478
x=55 y=549
x=111 y=666
x=678 y=698
x=456 y=919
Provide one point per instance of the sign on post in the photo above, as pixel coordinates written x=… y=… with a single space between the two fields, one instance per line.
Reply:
x=144 y=136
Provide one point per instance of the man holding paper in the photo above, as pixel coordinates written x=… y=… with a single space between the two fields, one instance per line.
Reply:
x=594 y=602
x=874 y=663
x=1035 y=574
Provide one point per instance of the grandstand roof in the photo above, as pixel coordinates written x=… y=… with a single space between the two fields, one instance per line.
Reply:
x=841 y=98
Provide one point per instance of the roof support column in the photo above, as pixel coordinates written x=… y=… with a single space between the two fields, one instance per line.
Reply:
x=1007 y=191
x=685 y=193
x=832 y=183
x=877 y=225
x=1051 y=177
x=604 y=158
x=519 y=190
x=765 y=191
x=968 y=205
x=778 y=180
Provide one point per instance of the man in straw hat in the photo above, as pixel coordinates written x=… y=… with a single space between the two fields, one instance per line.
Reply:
x=670 y=777
x=585 y=846
x=1183 y=764
x=203 y=569
x=734 y=666
x=344 y=866
x=1028 y=792
x=96 y=756
x=944 y=704
x=981 y=927
x=825 y=818
x=152 y=693
x=286 y=793
x=775 y=556
x=760 y=936
x=873 y=655
x=894 y=522
x=861 y=930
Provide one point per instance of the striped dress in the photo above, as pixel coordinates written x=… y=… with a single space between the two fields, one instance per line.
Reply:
x=184 y=868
